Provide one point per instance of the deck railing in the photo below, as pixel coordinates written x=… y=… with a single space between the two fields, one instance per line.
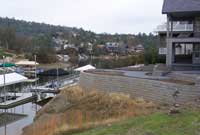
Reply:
x=176 y=27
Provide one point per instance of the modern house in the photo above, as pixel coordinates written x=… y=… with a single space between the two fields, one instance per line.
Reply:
x=180 y=36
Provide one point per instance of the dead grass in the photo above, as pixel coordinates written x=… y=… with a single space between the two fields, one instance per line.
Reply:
x=75 y=110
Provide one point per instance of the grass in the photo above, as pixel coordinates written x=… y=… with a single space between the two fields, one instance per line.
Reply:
x=185 y=123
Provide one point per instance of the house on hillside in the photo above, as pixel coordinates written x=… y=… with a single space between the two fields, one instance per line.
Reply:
x=59 y=43
x=112 y=47
x=115 y=47
x=139 y=48
x=66 y=46
x=180 y=36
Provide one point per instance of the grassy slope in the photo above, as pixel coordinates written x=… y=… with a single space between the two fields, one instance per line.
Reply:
x=186 y=123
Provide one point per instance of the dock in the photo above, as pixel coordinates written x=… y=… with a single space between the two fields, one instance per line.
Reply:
x=22 y=98
x=38 y=93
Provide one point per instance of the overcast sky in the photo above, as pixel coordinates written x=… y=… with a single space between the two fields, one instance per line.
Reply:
x=110 y=16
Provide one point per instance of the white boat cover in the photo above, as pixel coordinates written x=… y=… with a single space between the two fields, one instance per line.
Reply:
x=26 y=62
x=12 y=78
x=84 y=68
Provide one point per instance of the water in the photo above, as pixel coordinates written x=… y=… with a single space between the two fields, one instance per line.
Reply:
x=16 y=127
x=29 y=109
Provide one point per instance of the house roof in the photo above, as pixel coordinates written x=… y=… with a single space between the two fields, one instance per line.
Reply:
x=178 y=6
x=12 y=78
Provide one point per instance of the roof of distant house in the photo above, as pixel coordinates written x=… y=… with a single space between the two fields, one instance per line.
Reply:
x=175 y=6
x=139 y=46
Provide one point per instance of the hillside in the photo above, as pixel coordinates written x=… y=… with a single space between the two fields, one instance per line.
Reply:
x=33 y=28
x=75 y=110
x=23 y=37
x=75 y=35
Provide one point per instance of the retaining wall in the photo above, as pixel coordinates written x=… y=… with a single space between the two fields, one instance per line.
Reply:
x=185 y=77
x=151 y=90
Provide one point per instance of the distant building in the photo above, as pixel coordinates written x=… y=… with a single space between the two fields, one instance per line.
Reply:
x=69 y=46
x=89 y=47
x=64 y=58
x=115 y=47
x=131 y=49
x=59 y=42
x=139 y=48
x=112 y=47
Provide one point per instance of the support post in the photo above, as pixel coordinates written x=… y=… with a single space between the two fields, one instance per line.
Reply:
x=171 y=30
x=168 y=27
x=168 y=45
x=57 y=77
x=4 y=80
x=173 y=53
x=35 y=57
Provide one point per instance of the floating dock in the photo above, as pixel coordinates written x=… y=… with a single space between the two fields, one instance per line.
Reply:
x=22 y=98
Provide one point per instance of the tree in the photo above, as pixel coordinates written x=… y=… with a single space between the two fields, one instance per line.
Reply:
x=151 y=55
x=44 y=49
x=7 y=38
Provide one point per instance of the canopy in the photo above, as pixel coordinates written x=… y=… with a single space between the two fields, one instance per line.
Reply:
x=26 y=63
x=7 y=65
x=84 y=68
x=12 y=78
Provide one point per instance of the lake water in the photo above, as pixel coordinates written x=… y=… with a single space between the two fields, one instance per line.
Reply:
x=29 y=109
x=16 y=127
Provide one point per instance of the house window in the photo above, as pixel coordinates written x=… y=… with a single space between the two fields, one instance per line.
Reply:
x=196 y=54
x=162 y=51
x=197 y=51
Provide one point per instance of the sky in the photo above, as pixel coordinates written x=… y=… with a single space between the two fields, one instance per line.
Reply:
x=109 y=16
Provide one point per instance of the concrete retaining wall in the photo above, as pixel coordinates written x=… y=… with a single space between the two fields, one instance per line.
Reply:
x=152 y=90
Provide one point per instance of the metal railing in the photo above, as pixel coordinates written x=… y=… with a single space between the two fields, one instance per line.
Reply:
x=60 y=79
x=176 y=27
